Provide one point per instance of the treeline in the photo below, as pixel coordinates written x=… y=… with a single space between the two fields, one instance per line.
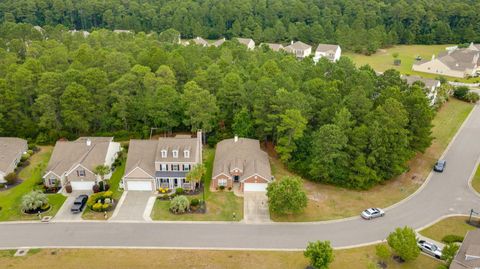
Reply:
x=330 y=122
x=359 y=25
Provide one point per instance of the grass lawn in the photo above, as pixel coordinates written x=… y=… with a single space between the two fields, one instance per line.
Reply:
x=383 y=59
x=476 y=180
x=328 y=202
x=10 y=200
x=147 y=258
x=451 y=225
x=220 y=205
x=117 y=193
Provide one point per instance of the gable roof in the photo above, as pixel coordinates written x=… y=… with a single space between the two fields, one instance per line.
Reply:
x=219 y=42
x=180 y=143
x=274 y=46
x=327 y=48
x=141 y=154
x=245 y=41
x=10 y=148
x=85 y=151
x=429 y=83
x=299 y=45
x=244 y=154
x=200 y=41
x=459 y=59
x=468 y=256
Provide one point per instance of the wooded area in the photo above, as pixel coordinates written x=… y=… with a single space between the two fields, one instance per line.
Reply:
x=358 y=25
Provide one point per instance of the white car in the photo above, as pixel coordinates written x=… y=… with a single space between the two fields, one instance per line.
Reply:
x=372 y=213
x=430 y=249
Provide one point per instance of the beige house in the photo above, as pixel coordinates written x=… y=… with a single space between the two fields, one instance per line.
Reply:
x=219 y=42
x=241 y=161
x=431 y=86
x=454 y=63
x=200 y=42
x=468 y=256
x=331 y=52
x=74 y=162
x=162 y=163
x=300 y=49
x=83 y=33
x=273 y=46
x=11 y=151
x=247 y=42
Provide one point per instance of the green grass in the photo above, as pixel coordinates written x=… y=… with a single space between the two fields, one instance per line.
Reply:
x=10 y=200
x=220 y=205
x=383 y=59
x=451 y=225
x=476 y=180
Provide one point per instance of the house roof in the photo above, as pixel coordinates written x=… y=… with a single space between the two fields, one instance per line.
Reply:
x=459 y=59
x=219 y=42
x=244 y=154
x=468 y=256
x=200 y=41
x=274 y=46
x=10 y=147
x=245 y=41
x=180 y=143
x=299 y=45
x=429 y=83
x=86 y=151
x=141 y=153
x=327 y=48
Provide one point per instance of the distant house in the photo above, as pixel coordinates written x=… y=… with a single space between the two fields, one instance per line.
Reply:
x=247 y=42
x=11 y=151
x=331 y=52
x=454 y=63
x=300 y=49
x=219 y=42
x=273 y=46
x=83 y=33
x=162 y=163
x=468 y=256
x=122 y=32
x=431 y=86
x=200 y=41
x=74 y=162
x=241 y=161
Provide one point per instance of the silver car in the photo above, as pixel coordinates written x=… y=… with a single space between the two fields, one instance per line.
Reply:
x=430 y=248
x=372 y=213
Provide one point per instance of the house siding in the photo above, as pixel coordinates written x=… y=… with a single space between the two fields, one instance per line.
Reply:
x=222 y=176
x=89 y=176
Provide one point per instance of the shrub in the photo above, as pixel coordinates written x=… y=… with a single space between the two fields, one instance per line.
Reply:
x=97 y=207
x=404 y=242
x=222 y=188
x=461 y=92
x=449 y=251
x=452 y=238
x=106 y=207
x=25 y=157
x=194 y=202
x=179 y=191
x=30 y=152
x=229 y=188
x=11 y=178
x=179 y=204
x=33 y=201
x=94 y=198
x=106 y=187
x=96 y=188
x=320 y=254
x=472 y=97
x=383 y=252
x=108 y=194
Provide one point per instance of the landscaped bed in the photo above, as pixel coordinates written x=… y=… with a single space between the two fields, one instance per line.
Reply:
x=328 y=202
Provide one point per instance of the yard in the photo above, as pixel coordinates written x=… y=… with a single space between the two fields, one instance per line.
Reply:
x=476 y=180
x=328 y=202
x=10 y=200
x=383 y=59
x=149 y=258
x=220 y=205
x=451 y=225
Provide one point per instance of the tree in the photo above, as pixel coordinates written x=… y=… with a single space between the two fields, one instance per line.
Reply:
x=179 y=204
x=449 y=252
x=242 y=124
x=76 y=108
x=101 y=170
x=170 y=36
x=195 y=174
x=320 y=254
x=200 y=107
x=383 y=252
x=33 y=201
x=291 y=128
x=404 y=242
x=286 y=196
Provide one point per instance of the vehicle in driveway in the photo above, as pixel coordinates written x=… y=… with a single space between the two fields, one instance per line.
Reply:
x=440 y=166
x=372 y=213
x=79 y=203
x=430 y=248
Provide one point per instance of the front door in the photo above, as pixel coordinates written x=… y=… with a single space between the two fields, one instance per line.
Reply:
x=175 y=183
x=236 y=178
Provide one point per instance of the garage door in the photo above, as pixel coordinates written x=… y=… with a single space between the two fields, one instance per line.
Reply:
x=139 y=186
x=255 y=187
x=82 y=185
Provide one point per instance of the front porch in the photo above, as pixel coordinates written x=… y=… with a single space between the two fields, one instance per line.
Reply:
x=171 y=184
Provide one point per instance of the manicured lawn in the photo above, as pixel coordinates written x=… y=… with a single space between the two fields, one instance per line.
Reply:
x=220 y=205
x=328 y=202
x=383 y=59
x=117 y=193
x=10 y=200
x=451 y=225
x=212 y=259
x=476 y=180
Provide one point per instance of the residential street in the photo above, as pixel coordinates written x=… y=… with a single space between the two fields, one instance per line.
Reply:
x=446 y=193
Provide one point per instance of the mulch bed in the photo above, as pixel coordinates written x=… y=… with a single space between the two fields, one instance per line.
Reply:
x=35 y=212
x=10 y=186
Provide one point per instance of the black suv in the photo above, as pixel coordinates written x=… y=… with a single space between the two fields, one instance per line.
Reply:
x=79 y=203
x=440 y=166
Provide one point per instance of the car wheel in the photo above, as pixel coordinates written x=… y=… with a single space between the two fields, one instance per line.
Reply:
x=436 y=256
x=383 y=214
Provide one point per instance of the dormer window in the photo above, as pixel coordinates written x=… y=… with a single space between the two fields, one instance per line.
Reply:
x=186 y=153
x=175 y=153
x=164 y=153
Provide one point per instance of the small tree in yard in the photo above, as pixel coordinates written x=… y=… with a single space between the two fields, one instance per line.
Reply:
x=383 y=253
x=102 y=170
x=196 y=174
x=33 y=201
x=286 y=196
x=448 y=252
x=11 y=178
x=320 y=254
x=179 y=204
x=404 y=242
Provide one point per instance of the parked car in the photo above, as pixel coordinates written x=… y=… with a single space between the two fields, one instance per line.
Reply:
x=372 y=213
x=79 y=203
x=440 y=166
x=430 y=248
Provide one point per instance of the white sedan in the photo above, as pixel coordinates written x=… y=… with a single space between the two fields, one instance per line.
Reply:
x=430 y=248
x=372 y=213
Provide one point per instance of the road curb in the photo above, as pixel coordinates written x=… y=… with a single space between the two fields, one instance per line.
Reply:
x=471 y=178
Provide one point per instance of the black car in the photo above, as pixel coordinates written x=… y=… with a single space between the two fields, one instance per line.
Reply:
x=79 y=203
x=440 y=166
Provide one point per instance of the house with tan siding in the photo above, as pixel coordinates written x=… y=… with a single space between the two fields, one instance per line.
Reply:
x=299 y=49
x=328 y=51
x=11 y=151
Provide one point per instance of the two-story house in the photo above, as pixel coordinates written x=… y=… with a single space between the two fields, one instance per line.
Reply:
x=74 y=162
x=162 y=163
x=300 y=49
x=331 y=52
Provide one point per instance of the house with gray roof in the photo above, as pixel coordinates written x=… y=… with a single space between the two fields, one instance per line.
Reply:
x=430 y=86
x=74 y=162
x=200 y=42
x=11 y=151
x=241 y=161
x=468 y=256
x=328 y=51
x=300 y=49
x=273 y=46
x=162 y=163
x=247 y=42
x=219 y=42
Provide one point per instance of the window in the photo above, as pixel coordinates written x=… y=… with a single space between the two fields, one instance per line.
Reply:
x=163 y=167
x=186 y=167
x=52 y=181
x=164 y=153
x=175 y=153
x=186 y=153
x=222 y=182
x=81 y=173
x=175 y=167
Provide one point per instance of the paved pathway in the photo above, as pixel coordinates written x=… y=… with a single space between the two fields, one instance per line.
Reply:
x=132 y=206
x=445 y=193
x=255 y=207
x=64 y=213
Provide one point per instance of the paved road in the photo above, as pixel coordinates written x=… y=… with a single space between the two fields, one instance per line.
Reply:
x=446 y=193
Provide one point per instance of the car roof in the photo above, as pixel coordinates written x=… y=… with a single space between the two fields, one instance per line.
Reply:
x=441 y=161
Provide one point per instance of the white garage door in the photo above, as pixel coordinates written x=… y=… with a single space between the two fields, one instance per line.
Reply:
x=139 y=186
x=255 y=187
x=82 y=185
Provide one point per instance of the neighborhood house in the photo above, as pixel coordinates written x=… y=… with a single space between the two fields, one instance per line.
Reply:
x=300 y=49
x=162 y=163
x=247 y=42
x=431 y=86
x=74 y=162
x=273 y=46
x=240 y=161
x=11 y=151
x=468 y=256
x=331 y=52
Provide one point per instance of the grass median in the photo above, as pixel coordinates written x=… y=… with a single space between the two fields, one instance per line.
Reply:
x=451 y=225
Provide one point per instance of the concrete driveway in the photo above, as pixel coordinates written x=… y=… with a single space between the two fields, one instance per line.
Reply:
x=131 y=206
x=64 y=213
x=255 y=207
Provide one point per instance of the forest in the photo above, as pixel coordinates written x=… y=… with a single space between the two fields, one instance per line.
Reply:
x=330 y=122
x=357 y=25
